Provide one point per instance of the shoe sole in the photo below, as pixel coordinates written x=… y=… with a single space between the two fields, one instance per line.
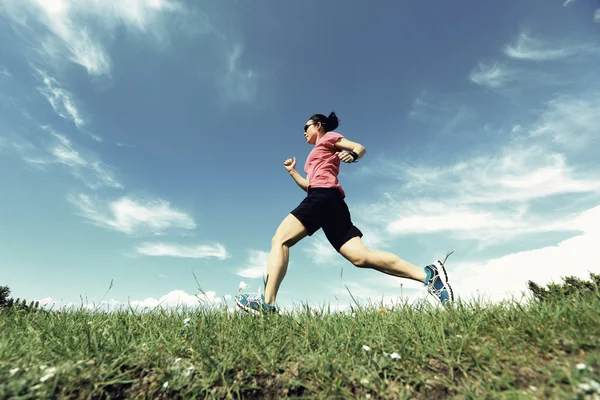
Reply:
x=444 y=277
x=246 y=308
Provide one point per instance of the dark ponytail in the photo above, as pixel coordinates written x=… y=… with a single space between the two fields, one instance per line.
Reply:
x=329 y=123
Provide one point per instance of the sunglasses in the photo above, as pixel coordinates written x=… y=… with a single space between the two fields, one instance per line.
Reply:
x=307 y=126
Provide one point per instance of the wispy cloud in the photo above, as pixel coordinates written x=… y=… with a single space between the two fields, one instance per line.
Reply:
x=70 y=35
x=320 y=250
x=256 y=266
x=495 y=197
x=529 y=48
x=4 y=72
x=494 y=76
x=490 y=199
x=92 y=171
x=597 y=16
x=571 y=121
x=175 y=250
x=132 y=216
x=60 y=99
x=567 y=2
x=239 y=84
x=58 y=149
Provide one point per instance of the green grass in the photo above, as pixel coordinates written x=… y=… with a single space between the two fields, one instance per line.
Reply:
x=470 y=351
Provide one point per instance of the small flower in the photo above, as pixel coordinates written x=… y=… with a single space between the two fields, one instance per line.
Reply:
x=395 y=356
x=49 y=374
x=366 y=348
x=189 y=371
x=585 y=387
x=459 y=336
x=13 y=371
x=385 y=354
x=243 y=285
x=353 y=315
x=581 y=366
x=364 y=381
x=177 y=360
x=166 y=384
x=186 y=322
x=533 y=388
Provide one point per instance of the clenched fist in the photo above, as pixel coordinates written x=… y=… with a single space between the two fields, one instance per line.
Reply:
x=290 y=164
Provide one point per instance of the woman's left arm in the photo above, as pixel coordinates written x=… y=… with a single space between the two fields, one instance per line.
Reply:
x=345 y=144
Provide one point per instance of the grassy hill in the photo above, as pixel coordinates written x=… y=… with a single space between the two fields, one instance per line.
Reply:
x=540 y=350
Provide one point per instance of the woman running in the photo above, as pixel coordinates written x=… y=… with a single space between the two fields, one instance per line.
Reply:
x=324 y=207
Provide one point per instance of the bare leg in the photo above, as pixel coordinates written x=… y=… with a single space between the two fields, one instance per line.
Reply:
x=355 y=251
x=290 y=232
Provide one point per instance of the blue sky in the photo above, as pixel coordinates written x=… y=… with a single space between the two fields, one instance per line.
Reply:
x=143 y=142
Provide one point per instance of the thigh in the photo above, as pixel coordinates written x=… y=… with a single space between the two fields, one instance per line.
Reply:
x=338 y=226
x=354 y=250
x=290 y=231
x=309 y=212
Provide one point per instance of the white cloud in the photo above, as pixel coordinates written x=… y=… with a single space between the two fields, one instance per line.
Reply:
x=494 y=76
x=320 y=250
x=77 y=29
x=173 y=299
x=58 y=149
x=567 y=2
x=533 y=49
x=256 y=266
x=239 y=84
x=132 y=217
x=507 y=276
x=90 y=170
x=174 y=250
x=495 y=197
x=178 y=298
x=597 y=16
x=571 y=122
x=4 y=72
x=61 y=100
x=486 y=199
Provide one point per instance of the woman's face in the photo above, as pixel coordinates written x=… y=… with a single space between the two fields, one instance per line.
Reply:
x=311 y=131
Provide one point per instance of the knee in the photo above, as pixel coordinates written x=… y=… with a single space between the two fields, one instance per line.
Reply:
x=279 y=241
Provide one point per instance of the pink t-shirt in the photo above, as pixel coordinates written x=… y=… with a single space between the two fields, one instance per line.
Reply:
x=323 y=165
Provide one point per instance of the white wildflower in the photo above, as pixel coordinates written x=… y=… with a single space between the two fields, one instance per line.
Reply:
x=243 y=285
x=364 y=381
x=13 y=371
x=395 y=356
x=166 y=384
x=533 y=388
x=585 y=387
x=189 y=371
x=581 y=366
x=177 y=360
x=459 y=336
x=353 y=315
x=366 y=348
x=49 y=374
x=186 y=322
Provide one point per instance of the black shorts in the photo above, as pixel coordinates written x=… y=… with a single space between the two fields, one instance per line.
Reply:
x=325 y=208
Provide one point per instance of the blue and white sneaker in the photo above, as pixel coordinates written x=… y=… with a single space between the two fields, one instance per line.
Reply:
x=437 y=281
x=254 y=304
